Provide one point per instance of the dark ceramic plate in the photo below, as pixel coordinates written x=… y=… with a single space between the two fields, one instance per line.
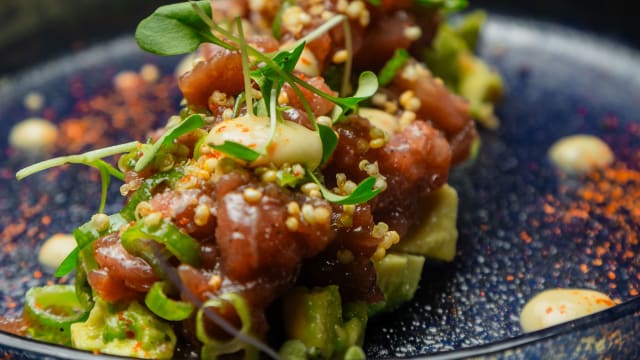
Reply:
x=521 y=230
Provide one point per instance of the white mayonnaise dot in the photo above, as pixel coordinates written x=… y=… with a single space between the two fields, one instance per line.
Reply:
x=380 y=119
x=552 y=307
x=580 y=153
x=34 y=135
x=150 y=73
x=291 y=144
x=55 y=249
x=128 y=81
x=33 y=101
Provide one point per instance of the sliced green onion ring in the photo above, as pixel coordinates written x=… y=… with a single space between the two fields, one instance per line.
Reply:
x=215 y=346
x=181 y=245
x=160 y=304
x=54 y=306
x=144 y=192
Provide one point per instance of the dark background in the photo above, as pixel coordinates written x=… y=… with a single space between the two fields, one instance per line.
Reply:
x=32 y=31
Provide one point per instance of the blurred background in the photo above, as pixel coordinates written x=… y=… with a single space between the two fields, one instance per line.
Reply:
x=33 y=31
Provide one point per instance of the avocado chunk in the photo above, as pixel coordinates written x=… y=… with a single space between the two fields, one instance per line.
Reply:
x=452 y=59
x=318 y=327
x=436 y=236
x=398 y=278
x=125 y=330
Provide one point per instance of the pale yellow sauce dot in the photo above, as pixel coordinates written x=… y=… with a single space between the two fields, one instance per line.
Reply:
x=33 y=101
x=150 y=73
x=33 y=135
x=552 y=307
x=580 y=153
x=127 y=82
x=55 y=249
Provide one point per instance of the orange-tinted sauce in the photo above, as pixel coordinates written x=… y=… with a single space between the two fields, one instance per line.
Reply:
x=16 y=326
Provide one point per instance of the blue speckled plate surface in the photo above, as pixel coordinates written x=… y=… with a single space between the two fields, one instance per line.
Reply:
x=519 y=233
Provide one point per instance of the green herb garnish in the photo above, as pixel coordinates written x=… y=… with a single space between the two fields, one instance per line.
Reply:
x=189 y=124
x=176 y=29
x=364 y=192
x=390 y=69
x=448 y=5
x=91 y=158
x=329 y=142
x=85 y=235
x=237 y=151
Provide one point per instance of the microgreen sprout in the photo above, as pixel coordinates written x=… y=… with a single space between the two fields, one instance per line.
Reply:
x=245 y=69
x=149 y=152
x=364 y=192
x=447 y=5
x=388 y=72
x=237 y=151
x=91 y=158
x=269 y=71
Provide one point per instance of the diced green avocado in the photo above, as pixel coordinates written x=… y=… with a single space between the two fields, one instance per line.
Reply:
x=451 y=57
x=354 y=353
x=482 y=87
x=436 y=235
x=469 y=28
x=314 y=318
x=293 y=350
x=398 y=276
x=442 y=58
x=129 y=330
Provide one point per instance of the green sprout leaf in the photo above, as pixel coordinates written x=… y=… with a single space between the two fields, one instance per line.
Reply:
x=105 y=180
x=237 y=151
x=392 y=66
x=69 y=263
x=367 y=87
x=329 y=142
x=176 y=29
x=85 y=235
x=267 y=76
x=189 y=124
x=276 y=25
x=448 y=5
x=90 y=158
x=364 y=192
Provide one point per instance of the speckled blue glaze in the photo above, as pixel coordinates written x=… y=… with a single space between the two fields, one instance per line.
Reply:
x=559 y=83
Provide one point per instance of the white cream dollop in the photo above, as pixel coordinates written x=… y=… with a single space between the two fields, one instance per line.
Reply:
x=291 y=143
x=580 y=153
x=34 y=135
x=308 y=63
x=55 y=249
x=555 y=306
x=380 y=119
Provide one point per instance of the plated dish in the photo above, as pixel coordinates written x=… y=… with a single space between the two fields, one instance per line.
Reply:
x=505 y=167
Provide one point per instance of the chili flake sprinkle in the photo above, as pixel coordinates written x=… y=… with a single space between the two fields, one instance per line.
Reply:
x=600 y=211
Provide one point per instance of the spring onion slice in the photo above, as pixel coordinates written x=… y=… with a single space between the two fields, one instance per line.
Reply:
x=54 y=306
x=160 y=304
x=85 y=235
x=187 y=125
x=86 y=263
x=144 y=192
x=181 y=245
x=213 y=346
x=391 y=68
